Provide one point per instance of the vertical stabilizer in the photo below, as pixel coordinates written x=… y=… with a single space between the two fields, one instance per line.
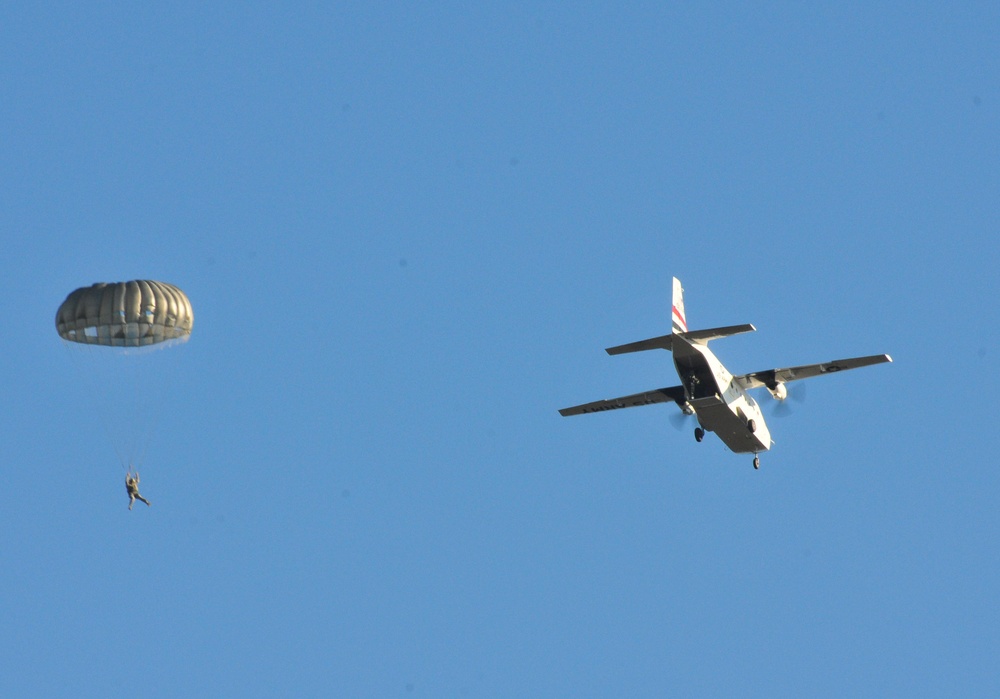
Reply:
x=678 y=317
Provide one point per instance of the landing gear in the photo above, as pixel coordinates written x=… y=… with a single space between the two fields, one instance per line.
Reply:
x=751 y=425
x=756 y=462
x=699 y=434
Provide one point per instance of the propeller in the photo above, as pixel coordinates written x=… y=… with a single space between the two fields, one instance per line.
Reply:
x=782 y=394
x=681 y=420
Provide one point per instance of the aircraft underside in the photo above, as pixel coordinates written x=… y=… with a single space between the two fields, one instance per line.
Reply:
x=721 y=407
x=732 y=425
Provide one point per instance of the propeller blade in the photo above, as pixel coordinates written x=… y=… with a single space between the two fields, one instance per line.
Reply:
x=680 y=420
x=795 y=393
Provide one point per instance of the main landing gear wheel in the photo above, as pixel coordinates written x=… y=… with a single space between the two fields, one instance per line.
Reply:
x=699 y=434
x=756 y=461
x=752 y=426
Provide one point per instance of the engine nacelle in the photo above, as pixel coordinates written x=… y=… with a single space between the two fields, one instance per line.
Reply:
x=779 y=392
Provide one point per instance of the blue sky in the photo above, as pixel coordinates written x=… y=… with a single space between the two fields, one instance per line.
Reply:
x=408 y=232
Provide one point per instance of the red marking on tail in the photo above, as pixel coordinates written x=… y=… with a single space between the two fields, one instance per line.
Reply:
x=679 y=319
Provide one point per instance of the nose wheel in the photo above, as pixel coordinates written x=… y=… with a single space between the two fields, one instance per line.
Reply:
x=756 y=462
x=699 y=434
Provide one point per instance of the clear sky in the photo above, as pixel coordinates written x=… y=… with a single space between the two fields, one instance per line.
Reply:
x=408 y=230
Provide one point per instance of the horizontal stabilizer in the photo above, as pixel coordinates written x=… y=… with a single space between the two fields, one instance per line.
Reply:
x=662 y=342
x=673 y=394
x=702 y=336
x=667 y=341
x=772 y=377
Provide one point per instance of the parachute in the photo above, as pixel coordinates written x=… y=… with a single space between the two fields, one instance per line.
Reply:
x=113 y=332
x=125 y=314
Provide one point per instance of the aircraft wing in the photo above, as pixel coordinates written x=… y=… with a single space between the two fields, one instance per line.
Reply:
x=775 y=376
x=661 y=395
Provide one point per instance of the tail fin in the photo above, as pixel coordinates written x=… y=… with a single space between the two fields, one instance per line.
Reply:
x=680 y=324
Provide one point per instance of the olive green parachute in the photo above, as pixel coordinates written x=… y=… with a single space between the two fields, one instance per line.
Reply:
x=125 y=314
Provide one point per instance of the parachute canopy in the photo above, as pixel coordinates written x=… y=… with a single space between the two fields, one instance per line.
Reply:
x=125 y=314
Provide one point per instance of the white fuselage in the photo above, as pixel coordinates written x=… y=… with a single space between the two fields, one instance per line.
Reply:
x=722 y=406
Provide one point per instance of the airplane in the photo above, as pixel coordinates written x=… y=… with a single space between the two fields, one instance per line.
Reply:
x=720 y=400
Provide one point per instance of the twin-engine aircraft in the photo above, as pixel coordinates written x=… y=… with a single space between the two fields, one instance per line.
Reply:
x=719 y=399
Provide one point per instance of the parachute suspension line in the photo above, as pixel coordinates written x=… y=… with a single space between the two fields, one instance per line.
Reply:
x=114 y=445
x=150 y=420
x=147 y=437
x=94 y=368
x=85 y=358
x=107 y=320
x=121 y=460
